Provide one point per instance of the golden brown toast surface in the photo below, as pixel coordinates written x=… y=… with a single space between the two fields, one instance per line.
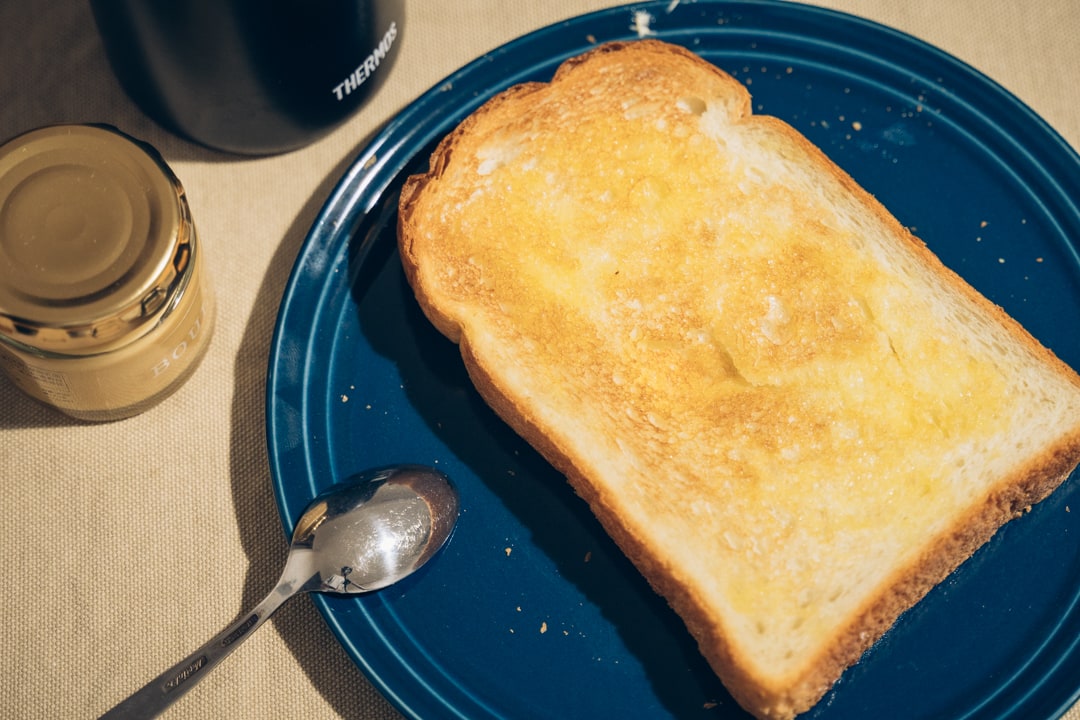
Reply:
x=781 y=406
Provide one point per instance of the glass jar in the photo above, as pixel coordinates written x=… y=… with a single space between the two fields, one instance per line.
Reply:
x=104 y=308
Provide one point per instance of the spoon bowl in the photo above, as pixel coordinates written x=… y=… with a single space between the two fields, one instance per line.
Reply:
x=363 y=534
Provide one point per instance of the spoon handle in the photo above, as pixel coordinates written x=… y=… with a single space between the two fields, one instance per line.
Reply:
x=169 y=686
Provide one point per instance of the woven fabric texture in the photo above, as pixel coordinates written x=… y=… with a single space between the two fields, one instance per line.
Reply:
x=128 y=544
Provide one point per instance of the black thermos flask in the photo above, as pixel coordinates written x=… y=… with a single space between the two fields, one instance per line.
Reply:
x=253 y=77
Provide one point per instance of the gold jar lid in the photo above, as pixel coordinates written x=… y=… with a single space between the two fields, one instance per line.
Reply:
x=95 y=239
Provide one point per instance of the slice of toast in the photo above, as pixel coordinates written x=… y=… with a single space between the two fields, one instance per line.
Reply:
x=785 y=410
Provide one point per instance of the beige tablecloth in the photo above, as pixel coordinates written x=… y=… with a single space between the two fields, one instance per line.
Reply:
x=130 y=543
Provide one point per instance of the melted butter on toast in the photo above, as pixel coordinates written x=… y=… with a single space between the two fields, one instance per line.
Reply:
x=696 y=306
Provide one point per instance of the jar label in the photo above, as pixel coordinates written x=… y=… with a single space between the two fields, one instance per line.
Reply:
x=48 y=385
x=178 y=351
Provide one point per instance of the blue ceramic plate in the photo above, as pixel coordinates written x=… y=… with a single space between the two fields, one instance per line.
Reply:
x=531 y=612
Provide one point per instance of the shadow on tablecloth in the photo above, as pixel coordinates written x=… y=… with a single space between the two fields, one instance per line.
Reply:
x=310 y=640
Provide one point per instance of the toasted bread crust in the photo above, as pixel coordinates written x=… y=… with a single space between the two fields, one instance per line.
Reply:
x=783 y=694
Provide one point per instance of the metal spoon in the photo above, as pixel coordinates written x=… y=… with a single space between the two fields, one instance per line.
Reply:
x=364 y=534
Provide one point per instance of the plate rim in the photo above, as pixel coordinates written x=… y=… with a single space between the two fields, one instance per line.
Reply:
x=380 y=162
